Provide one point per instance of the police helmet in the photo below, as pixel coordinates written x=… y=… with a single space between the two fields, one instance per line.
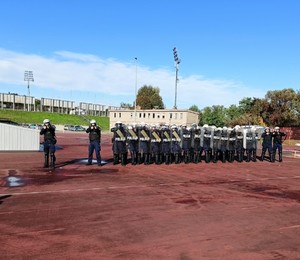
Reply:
x=277 y=128
x=93 y=121
x=46 y=121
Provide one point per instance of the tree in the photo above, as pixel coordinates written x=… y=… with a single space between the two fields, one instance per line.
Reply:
x=283 y=107
x=194 y=108
x=214 y=115
x=126 y=105
x=148 y=97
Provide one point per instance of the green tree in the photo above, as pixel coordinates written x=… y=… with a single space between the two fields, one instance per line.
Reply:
x=148 y=97
x=283 y=107
x=194 y=108
x=214 y=115
x=126 y=105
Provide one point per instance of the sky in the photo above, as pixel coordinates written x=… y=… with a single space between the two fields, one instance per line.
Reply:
x=101 y=52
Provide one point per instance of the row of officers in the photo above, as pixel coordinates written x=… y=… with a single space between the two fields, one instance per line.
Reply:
x=172 y=144
x=175 y=144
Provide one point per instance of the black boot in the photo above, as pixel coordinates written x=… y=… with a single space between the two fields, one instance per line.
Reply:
x=46 y=162
x=280 y=156
x=177 y=160
x=157 y=159
x=273 y=156
x=52 y=161
x=248 y=156
x=146 y=159
x=123 y=159
x=240 y=156
x=223 y=157
x=207 y=156
x=215 y=155
x=167 y=159
x=263 y=154
x=254 y=156
x=116 y=158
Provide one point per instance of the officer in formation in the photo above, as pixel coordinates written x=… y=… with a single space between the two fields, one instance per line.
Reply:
x=272 y=141
x=175 y=144
x=49 y=143
x=94 y=132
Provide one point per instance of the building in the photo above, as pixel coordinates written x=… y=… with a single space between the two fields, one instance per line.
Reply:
x=56 y=106
x=15 y=102
x=154 y=116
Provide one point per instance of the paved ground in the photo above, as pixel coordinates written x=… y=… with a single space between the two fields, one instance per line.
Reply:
x=194 y=211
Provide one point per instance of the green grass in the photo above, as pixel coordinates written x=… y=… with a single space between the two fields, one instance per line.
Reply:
x=55 y=118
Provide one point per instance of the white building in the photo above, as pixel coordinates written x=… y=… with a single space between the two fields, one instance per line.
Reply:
x=154 y=116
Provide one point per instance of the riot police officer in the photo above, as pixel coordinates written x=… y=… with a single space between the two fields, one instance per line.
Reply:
x=132 y=140
x=94 y=132
x=239 y=143
x=166 y=144
x=119 y=144
x=216 y=143
x=267 y=144
x=231 y=144
x=144 y=144
x=175 y=144
x=49 y=143
x=277 y=143
x=196 y=144
x=207 y=142
x=186 y=141
x=155 y=145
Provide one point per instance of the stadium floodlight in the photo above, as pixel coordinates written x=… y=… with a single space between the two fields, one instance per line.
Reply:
x=177 y=61
x=28 y=76
x=135 y=89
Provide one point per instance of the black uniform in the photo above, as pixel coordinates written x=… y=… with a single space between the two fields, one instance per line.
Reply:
x=155 y=145
x=144 y=145
x=166 y=144
x=49 y=144
x=132 y=140
x=119 y=144
x=186 y=142
x=277 y=144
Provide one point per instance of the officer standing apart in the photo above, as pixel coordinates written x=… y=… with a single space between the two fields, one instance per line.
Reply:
x=49 y=143
x=267 y=144
x=94 y=132
x=277 y=143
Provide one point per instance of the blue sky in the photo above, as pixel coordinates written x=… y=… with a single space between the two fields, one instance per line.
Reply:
x=85 y=50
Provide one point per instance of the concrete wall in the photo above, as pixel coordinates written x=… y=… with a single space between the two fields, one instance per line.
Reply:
x=16 y=138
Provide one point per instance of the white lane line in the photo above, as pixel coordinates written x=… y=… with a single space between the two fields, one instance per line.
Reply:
x=133 y=186
x=35 y=231
x=290 y=227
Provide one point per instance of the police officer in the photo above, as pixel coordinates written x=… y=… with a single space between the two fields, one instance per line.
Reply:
x=166 y=144
x=231 y=144
x=94 y=132
x=207 y=142
x=144 y=144
x=155 y=144
x=267 y=144
x=186 y=141
x=239 y=147
x=277 y=143
x=196 y=143
x=119 y=143
x=216 y=147
x=132 y=140
x=175 y=144
x=49 y=143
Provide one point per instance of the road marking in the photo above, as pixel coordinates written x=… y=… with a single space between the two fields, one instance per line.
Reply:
x=295 y=226
x=135 y=186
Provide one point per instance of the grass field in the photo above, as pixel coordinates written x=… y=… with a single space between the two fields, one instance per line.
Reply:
x=55 y=118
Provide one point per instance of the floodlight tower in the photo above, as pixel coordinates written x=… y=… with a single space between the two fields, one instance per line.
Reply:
x=135 y=89
x=28 y=76
x=177 y=61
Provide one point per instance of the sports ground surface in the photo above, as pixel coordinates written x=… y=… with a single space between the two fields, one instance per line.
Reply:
x=186 y=211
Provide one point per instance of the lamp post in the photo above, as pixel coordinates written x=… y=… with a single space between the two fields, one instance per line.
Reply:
x=135 y=89
x=177 y=61
x=28 y=76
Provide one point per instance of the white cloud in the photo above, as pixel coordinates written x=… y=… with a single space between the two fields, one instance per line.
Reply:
x=66 y=71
